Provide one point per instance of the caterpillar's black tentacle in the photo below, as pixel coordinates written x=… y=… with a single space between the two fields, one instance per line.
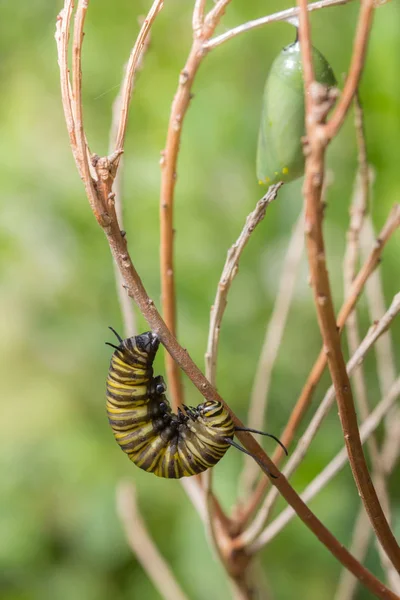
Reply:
x=263 y=465
x=263 y=433
x=112 y=345
x=116 y=334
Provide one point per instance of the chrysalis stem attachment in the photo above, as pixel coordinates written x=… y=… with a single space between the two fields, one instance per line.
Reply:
x=263 y=433
x=239 y=447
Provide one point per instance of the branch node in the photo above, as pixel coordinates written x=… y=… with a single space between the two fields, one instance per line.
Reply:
x=183 y=77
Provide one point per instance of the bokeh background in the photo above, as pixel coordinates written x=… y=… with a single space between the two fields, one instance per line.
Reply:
x=59 y=533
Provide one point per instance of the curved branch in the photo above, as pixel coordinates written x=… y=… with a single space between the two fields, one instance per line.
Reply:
x=283 y=15
x=391 y=225
x=314 y=171
x=168 y=163
x=228 y=274
x=323 y=409
x=337 y=463
x=143 y=546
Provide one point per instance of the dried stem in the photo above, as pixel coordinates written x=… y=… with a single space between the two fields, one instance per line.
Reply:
x=143 y=546
x=356 y=67
x=362 y=534
x=228 y=274
x=217 y=311
x=315 y=98
x=392 y=223
x=323 y=409
x=198 y=17
x=283 y=15
x=272 y=342
x=168 y=163
x=368 y=427
x=128 y=314
x=384 y=356
x=358 y=210
x=131 y=68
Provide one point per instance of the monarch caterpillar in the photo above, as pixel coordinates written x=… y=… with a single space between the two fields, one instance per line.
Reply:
x=279 y=153
x=156 y=439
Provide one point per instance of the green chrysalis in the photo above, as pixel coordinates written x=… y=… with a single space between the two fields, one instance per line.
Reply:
x=280 y=154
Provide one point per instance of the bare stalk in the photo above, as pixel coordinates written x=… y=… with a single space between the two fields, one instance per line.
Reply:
x=128 y=314
x=203 y=29
x=228 y=274
x=131 y=68
x=318 y=102
x=361 y=537
x=283 y=15
x=391 y=225
x=272 y=342
x=384 y=356
x=358 y=211
x=217 y=311
x=323 y=409
x=366 y=429
x=143 y=546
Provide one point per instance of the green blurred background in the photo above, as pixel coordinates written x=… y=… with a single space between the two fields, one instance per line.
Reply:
x=59 y=533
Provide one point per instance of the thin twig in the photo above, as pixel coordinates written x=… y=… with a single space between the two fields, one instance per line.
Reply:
x=361 y=537
x=143 y=546
x=272 y=342
x=217 y=311
x=323 y=409
x=390 y=449
x=384 y=355
x=391 y=225
x=358 y=211
x=368 y=427
x=283 y=15
x=131 y=68
x=128 y=314
x=228 y=274
x=168 y=163
x=198 y=17
x=356 y=67
x=316 y=97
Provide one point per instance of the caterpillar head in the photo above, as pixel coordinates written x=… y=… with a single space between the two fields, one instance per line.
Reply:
x=215 y=418
x=145 y=344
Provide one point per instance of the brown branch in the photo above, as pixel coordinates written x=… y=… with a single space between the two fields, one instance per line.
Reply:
x=198 y=17
x=168 y=163
x=128 y=314
x=314 y=170
x=392 y=223
x=217 y=311
x=228 y=274
x=356 y=67
x=322 y=411
x=131 y=68
x=358 y=211
x=361 y=537
x=283 y=15
x=336 y=464
x=143 y=546
x=272 y=342
x=384 y=356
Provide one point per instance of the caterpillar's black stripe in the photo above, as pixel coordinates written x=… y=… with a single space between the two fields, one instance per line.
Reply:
x=155 y=439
